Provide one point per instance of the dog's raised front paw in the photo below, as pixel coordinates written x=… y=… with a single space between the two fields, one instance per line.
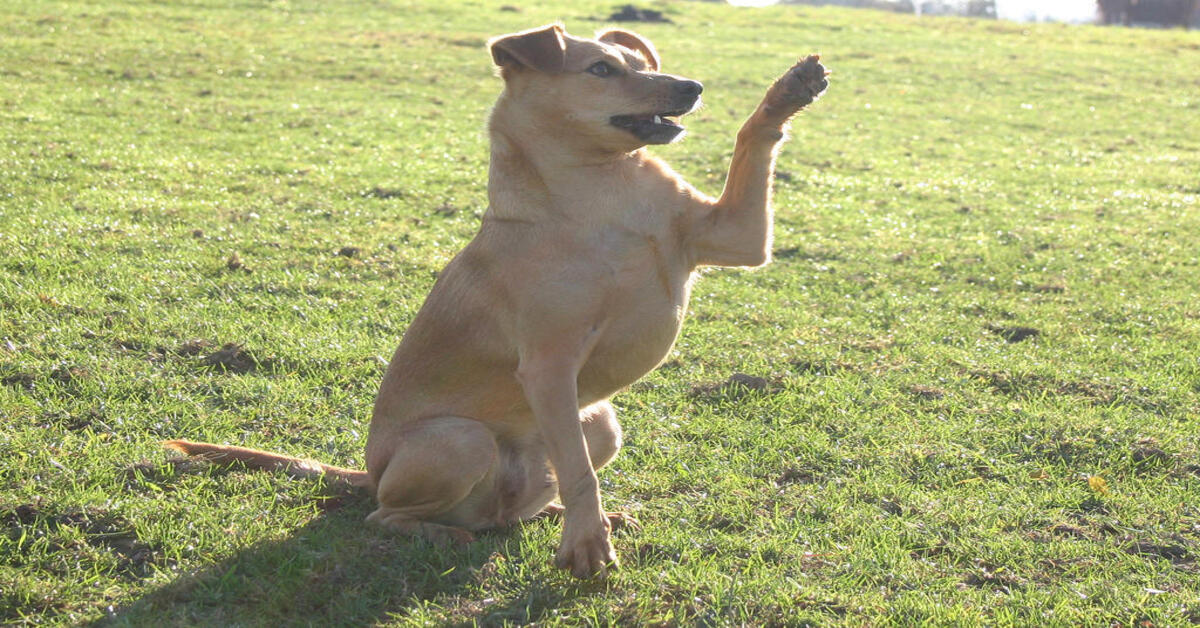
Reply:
x=798 y=87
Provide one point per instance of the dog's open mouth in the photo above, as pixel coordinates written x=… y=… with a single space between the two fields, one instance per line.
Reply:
x=653 y=128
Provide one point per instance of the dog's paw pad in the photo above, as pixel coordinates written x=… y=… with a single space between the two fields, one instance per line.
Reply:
x=801 y=85
x=806 y=80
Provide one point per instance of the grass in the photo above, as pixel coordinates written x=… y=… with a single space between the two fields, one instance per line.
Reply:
x=977 y=346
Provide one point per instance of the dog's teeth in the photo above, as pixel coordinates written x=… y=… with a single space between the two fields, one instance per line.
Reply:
x=657 y=120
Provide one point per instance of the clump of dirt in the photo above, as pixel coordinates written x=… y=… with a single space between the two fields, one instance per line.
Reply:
x=349 y=251
x=337 y=501
x=1013 y=333
x=18 y=379
x=1050 y=288
x=62 y=374
x=234 y=262
x=1147 y=453
x=193 y=348
x=928 y=393
x=1101 y=392
x=1067 y=530
x=653 y=552
x=92 y=418
x=748 y=382
x=126 y=344
x=66 y=374
x=235 y=358
x=793 y=475
x=737 y=386
x=725 y=524
x=1177 y=553
x=23 y=514
x=630 y=13
x=808 y=367
x=995 y=578
x=101 y=529
x=384 y=192
x=138 y=474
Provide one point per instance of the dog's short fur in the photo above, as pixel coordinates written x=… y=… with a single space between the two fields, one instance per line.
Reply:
x=496 y=401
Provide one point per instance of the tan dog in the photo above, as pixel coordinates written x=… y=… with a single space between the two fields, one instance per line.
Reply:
x=496 y=401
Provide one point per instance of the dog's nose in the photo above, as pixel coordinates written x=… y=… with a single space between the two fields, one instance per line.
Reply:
x=688 y=88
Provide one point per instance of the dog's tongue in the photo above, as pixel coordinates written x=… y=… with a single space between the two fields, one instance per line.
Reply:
x=658 y=119
x=647 y=117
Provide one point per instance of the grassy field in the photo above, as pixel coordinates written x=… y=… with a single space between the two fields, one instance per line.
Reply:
x=978 y=345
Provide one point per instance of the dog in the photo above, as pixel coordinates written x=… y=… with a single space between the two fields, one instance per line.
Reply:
x=576 y=285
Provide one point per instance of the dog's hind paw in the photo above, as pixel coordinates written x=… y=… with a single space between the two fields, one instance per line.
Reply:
x=616 y=520
x=622 y=521
x=435 y=533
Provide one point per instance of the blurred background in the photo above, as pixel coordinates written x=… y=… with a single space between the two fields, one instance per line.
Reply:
x=1128 y=12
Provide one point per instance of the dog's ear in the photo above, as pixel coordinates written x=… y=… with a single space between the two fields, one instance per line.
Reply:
x=542 y=49
x=634 y=42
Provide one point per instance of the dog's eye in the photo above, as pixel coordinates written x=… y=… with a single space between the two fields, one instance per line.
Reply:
x=600 y=68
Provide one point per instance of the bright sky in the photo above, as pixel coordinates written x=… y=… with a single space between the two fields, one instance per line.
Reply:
x=1065 y=10
x=1061 y=10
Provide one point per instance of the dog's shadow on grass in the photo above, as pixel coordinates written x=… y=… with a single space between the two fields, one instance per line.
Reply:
x=335 y=570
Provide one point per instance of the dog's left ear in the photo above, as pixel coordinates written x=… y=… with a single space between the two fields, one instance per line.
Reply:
x=542 y=49
x=634 y=42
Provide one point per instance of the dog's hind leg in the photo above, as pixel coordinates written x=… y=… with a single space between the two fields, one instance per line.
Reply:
x=437 y=464
x=601 y=432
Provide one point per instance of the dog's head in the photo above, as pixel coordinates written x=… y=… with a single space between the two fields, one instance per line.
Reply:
x=606 y=93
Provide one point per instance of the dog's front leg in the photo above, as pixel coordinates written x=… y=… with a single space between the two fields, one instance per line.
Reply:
x=736 y=229
x=550 y=389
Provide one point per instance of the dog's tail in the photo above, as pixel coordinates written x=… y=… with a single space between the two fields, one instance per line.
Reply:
x=257 y=459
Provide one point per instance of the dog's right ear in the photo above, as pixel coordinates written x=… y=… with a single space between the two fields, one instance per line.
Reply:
x=542 y=49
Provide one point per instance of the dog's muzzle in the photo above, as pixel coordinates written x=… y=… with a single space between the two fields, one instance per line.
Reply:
x=658 y=127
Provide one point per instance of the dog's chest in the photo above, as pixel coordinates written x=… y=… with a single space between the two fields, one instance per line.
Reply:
x=647 y=294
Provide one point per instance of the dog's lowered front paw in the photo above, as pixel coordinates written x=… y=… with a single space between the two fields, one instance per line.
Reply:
x=587 y=555
x=797 y=88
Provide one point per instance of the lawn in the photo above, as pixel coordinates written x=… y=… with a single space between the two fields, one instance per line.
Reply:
x=970 y=379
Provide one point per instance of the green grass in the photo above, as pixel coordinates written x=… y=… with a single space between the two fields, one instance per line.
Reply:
x=179 y=176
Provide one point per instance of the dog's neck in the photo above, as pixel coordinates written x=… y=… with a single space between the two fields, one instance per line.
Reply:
x=545 y=177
